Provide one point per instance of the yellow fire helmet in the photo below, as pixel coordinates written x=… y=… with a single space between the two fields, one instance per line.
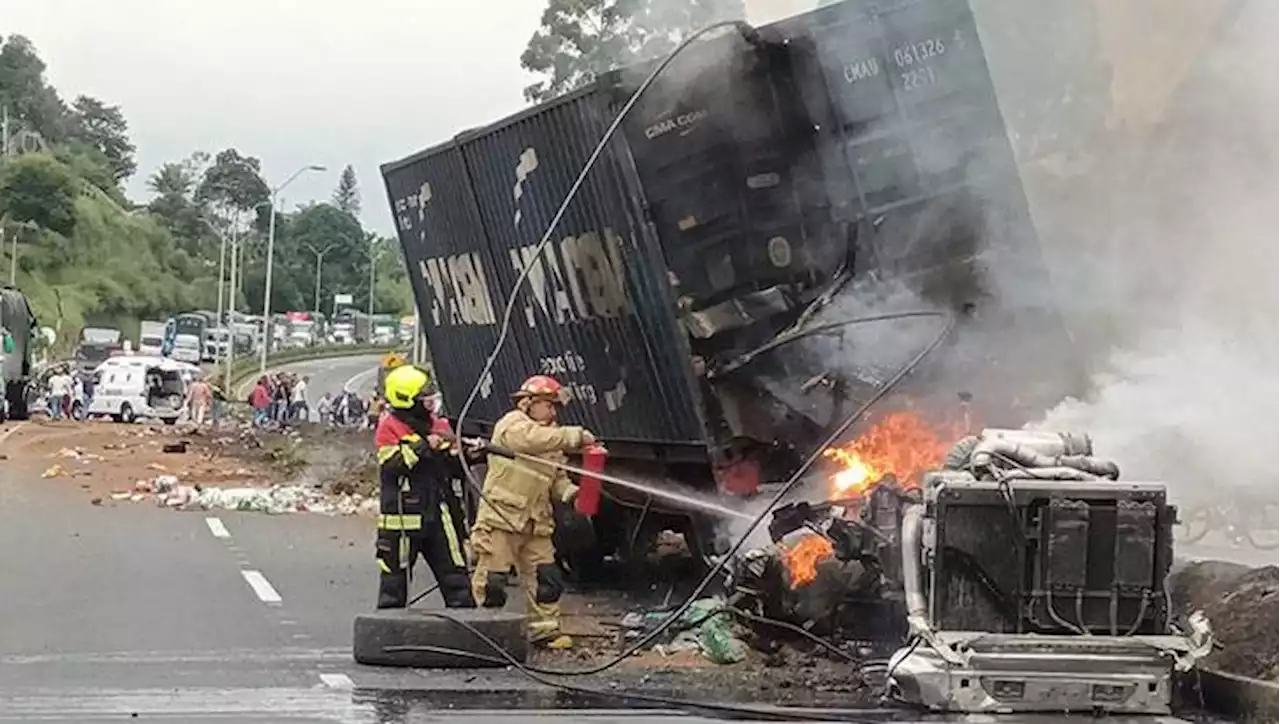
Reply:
x=404 y=385
x=392 y=360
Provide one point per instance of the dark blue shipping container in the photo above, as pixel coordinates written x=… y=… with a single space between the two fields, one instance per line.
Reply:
x=856 y=152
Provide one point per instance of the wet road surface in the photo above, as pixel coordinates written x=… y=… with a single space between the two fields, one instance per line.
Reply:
x=136 y=611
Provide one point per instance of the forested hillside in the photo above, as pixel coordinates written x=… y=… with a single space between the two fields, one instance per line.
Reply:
x=87 y=254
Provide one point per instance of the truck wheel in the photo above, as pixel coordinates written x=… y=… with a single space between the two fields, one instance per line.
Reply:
x=126 y=414
x=17 y=397
x=378 y=638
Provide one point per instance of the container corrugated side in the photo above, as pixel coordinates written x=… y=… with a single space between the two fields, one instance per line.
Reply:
x=595 y=311
x=449 y=264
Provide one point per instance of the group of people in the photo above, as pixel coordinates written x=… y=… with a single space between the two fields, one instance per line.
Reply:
x=280 y=398
x=68 y=393
x=205 y=399
x=343 y=410
x=422 y=515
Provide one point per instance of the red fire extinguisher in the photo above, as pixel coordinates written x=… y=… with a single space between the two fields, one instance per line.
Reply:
x=588 y=500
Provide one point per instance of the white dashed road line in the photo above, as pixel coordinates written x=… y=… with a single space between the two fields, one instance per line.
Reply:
x=337 y=681
x=217 y=528
x=261 y=586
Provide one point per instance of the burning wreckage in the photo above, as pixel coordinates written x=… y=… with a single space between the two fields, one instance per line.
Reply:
x=1021 y=575
x=701 y=283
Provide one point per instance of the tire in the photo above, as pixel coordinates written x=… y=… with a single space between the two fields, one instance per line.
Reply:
x=374 y=633
x=16 y=394
x=126 y=414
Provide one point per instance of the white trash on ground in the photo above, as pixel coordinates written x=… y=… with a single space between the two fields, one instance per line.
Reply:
x=275 y=500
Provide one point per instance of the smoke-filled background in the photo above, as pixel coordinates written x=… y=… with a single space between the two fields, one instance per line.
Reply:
x=1146 y=132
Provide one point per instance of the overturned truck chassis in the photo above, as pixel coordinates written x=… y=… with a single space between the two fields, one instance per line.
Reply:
x=1022 y=578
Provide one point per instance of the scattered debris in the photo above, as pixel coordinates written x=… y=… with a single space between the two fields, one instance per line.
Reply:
x=1241 y=604
x=54 y=471
x=96 y=501
x=175 y=447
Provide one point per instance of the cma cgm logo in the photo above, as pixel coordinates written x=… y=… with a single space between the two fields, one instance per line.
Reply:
x=578 y=278
x=683 y=122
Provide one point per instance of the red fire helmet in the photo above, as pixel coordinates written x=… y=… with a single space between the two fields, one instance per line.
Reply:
x=541 y=386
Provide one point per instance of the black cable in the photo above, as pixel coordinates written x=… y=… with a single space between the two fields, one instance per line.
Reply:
x=791 y=482
x=542 y=676
x=789 y=337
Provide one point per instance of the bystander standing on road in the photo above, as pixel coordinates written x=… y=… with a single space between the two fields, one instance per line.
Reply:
x=260 y=401
x=59 y=392
x=217 y=401
x=79 y=409
x=199 y=398
x=88 y=384
x=301 y=411
x=324 y=409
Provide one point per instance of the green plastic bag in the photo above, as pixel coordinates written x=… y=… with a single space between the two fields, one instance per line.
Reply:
x=715 y=633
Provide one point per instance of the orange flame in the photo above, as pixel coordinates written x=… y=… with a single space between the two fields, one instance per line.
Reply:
x=803 y=557
x=902 y=444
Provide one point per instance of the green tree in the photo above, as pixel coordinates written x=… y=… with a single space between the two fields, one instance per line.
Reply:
x=40 y=189
x=233 y=180
x=578 y=40
x=33 y=104
x=104 y=129
x=347 y=196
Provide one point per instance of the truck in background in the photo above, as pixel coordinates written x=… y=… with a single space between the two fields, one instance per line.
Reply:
x=385 y=329
x=350 y=326
x=151 y=338
x=185 y=336
x=97 y=344
x=16 y=316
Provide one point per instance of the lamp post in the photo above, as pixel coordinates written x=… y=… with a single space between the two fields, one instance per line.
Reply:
x=231 y=303
x=222 y=265
x=271 y=248
x=374 y=252
x=319 y=259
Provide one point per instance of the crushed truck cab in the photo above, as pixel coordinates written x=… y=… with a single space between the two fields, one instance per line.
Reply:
x=1041 y=595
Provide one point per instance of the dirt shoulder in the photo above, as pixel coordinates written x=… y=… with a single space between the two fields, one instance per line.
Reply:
x=106 y=460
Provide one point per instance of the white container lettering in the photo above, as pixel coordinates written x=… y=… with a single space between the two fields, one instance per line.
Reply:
x=861 y=69
x=916 y=53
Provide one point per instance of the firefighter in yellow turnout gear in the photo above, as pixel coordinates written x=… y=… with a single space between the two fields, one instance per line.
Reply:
x=514 y=523
x=419 y=514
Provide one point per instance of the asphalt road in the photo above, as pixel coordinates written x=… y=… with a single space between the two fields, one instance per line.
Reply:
x=334 y=375
x=112 y=613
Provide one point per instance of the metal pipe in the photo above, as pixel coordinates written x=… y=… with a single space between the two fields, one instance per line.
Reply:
x=912 y=522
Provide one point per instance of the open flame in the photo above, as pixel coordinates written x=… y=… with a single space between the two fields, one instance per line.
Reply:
x=803 y=556
x=902 y=444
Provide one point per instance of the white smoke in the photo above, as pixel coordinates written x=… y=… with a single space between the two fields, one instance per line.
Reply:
x=1147 y=141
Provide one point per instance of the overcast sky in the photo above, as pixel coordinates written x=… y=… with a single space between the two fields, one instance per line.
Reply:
x=292 y=82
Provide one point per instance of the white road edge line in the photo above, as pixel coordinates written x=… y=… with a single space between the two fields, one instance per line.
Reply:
x=347 y=386
x=337 y=681
x=217 y=528
x=261 y=586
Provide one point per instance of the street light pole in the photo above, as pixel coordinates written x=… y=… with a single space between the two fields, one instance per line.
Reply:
x=374 y=252
x=271 y=248
x=319 y=260
x=231 y=306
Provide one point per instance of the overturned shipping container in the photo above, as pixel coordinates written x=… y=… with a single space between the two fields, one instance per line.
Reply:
x=770 y=182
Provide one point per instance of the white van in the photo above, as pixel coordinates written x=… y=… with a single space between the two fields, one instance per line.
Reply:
x=135 y=387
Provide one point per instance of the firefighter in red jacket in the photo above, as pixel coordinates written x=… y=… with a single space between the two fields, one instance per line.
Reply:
x=419 y=511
